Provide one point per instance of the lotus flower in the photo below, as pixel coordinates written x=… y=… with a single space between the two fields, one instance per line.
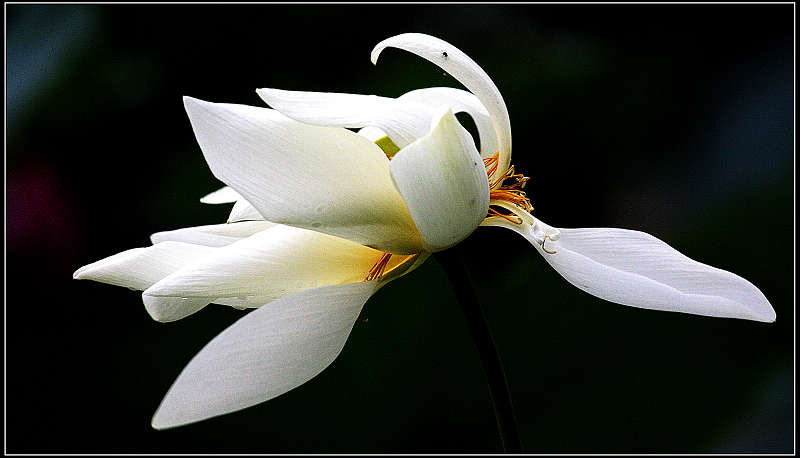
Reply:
x=324 y=217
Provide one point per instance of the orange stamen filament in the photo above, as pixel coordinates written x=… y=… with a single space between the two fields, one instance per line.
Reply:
x=512 y=193
x=512 y=217
x=491 y=164
x=377 y=270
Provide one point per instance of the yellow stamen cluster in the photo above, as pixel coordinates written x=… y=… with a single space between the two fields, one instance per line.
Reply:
x=512 y=193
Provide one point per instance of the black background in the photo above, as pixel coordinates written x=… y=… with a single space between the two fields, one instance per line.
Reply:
x=672 y=119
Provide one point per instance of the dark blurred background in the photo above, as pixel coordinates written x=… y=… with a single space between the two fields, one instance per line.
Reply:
x=672 y=119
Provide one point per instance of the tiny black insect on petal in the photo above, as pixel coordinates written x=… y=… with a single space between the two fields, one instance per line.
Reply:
x=444 y=54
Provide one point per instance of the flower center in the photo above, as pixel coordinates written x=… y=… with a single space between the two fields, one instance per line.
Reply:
x=505 y=192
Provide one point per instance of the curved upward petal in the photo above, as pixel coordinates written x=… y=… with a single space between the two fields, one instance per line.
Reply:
x=634 y=268
x=443 y=181
x=325 y=179
x=467 y=72
x=268 y=352
x=403 y=120
x=460 y=101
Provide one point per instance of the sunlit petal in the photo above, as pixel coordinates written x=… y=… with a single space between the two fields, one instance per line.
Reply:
x=326 y=179
x=270 y=264
x=268 y=352
x=443 y=181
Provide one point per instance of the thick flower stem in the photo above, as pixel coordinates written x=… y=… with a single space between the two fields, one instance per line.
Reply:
x=498 y=387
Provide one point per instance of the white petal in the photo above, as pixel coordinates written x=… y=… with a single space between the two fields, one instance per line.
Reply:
x=396 y=268
x=266 y=353
x=460 y=101
x=243 y=211
x=467 y=72
x=443 y=181
x=139 y=268
x=634 y=268
x=326 y=179
x=167 y=309
x=224 y=195
x=270 y=264
x=371 y=133
x=214 y=235
x=403 y=121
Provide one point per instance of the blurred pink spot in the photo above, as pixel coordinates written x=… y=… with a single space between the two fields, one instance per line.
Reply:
x=39 y=213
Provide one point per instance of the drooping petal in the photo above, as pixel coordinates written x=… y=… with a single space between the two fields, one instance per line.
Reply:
x=460 y=101
x=266 y=353
x=403 y=120
x=326 y=179
x=223 y=195
x=634 y=268
x=467 y=72
x=214 y=235
x=443 y=182
x=270 y=264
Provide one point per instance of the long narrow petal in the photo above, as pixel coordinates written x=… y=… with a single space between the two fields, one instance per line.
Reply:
x=467 y=72
x=460 y=101
x=266 y=353
x=214 y=235
x=140 y=268
x=403 y=120
x=326 y=179
x=224 y=195
x=634 y=268
x=270 y=264
x=443 y=181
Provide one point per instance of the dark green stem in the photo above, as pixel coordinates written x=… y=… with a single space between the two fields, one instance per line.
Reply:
x=498 y=387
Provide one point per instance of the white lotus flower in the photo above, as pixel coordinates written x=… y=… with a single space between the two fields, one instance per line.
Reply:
x=323 y=219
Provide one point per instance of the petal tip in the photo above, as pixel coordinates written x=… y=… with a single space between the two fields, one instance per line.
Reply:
x=157 y=422
x=191 y=103
x=769 y=317
x=79 y=274
x=156 y=313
